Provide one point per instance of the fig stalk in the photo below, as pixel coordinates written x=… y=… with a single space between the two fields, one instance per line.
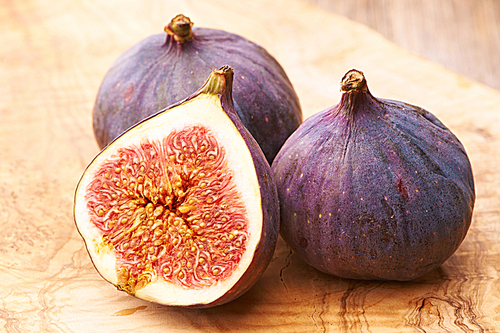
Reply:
x=180 y=28
x=219 y=83
x=355 y=93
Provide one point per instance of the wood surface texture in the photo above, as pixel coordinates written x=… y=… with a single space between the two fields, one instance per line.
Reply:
x=53 y=57
x=462 y=35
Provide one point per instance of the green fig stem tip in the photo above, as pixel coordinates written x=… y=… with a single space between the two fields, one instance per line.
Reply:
x=180 y=28
x=219 y=81
x=353 y=80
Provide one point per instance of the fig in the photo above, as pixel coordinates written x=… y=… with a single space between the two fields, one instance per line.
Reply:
x=373 y=189
x=181 y=209
x=165 y=68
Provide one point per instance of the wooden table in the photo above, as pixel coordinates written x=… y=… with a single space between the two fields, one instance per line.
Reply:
x=461 y=35
x=54 y=55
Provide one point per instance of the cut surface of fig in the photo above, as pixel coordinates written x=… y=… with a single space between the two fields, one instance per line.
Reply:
x=165 y=68
x=172 y=210
x=374 y=189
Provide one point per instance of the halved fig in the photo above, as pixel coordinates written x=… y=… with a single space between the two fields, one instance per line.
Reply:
x=181 y=209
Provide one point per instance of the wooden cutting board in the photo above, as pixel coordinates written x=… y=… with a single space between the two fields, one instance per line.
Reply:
x=53 y=57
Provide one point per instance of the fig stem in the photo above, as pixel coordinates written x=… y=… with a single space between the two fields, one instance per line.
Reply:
x=353 y=80
x=355 y=94
x=180 y=28
x=220 y=82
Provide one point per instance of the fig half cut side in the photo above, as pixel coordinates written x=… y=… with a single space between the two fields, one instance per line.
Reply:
x=181 y=209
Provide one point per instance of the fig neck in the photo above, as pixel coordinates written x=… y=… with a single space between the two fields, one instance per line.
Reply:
x=356 y=96
x=220 y=83
x=180 y=29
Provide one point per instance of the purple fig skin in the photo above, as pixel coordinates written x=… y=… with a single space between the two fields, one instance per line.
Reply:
x=166 y=68
x=374 y=189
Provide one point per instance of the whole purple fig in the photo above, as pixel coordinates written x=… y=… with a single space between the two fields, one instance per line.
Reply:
x=373 y=188
x=165 y=68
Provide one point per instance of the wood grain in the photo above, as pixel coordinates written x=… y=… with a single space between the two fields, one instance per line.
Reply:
x=461 y=35
x=54 y=55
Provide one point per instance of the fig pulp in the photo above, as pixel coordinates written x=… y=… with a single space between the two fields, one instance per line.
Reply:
x=165 y=68
x=373 y=188
x=182 y=208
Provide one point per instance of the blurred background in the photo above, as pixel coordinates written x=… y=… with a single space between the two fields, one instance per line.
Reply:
x=462 y=35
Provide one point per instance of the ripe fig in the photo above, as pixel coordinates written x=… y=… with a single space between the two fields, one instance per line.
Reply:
x=181 y=209
x=373 y=189
x=165 y=68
